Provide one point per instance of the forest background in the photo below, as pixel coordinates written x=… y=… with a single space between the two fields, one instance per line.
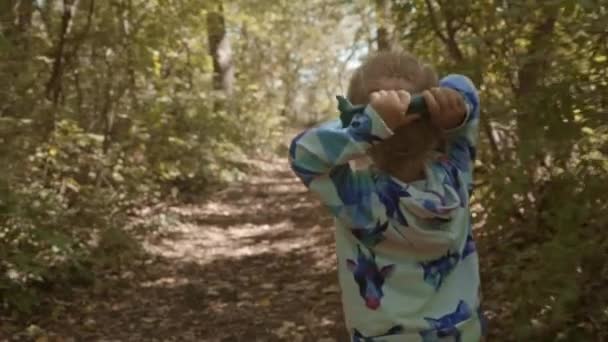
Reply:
x=107 y=107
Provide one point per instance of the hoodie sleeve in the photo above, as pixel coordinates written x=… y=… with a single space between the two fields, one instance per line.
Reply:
x=462 y=140
x=320 y=158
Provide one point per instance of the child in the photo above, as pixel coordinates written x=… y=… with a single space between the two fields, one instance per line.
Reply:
x=406 y=256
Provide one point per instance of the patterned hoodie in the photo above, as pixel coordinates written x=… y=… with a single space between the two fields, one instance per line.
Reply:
x=407 y=264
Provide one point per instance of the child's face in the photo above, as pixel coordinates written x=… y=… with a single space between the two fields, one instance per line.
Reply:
x=387 y=83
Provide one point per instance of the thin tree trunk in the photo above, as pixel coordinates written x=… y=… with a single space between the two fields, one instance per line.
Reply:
x=530 y=73
x=383 y=19
x=15 y=18
x=221 y=53
x=54 y=85
x=530 y=77
x=25 y=9
x=7 y=17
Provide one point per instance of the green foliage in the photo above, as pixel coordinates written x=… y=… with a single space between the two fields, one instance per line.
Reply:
x=541 y=69
x=68 y=190
x=110 y=105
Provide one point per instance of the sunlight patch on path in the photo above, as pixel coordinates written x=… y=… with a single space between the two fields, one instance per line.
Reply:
x=206 y=244
x=268 y=214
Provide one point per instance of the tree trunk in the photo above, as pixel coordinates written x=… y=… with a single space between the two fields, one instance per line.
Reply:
x=6 y=18
x=537 y=60
x=24 y=10
x=54 y=85
x=220 y=51
x=382 y=32
x=15 y=18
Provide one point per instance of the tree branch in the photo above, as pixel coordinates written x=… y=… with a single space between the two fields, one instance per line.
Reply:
x=449 y=38
x=452 y=30
x=435 y=22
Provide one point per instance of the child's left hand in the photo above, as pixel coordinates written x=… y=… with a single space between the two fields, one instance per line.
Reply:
x=446 y=107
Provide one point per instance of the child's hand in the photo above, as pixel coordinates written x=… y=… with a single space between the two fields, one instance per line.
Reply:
x=446 y=106
x=392 y=105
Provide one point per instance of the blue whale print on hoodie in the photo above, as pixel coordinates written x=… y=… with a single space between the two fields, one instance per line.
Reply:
x=369 y=277
x=445 y=326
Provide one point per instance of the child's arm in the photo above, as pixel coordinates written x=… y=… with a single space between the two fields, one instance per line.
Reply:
x=455 y=108
x=320 y=156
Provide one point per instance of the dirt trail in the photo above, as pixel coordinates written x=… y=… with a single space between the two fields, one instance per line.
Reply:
x=255 y=262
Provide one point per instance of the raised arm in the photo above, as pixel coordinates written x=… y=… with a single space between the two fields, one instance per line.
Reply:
x=462 y=139
x=454 y=106
x=320 y=156
x=317 y=152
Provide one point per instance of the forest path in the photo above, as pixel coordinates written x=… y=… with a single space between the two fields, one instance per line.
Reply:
x=253 y=262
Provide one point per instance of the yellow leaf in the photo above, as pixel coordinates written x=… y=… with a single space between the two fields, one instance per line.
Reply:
x=600 y=59
x=72 y=184
x=156 y=62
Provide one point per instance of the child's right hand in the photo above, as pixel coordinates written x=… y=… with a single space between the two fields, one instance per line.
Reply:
x=392 y=106
x=446 y=106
